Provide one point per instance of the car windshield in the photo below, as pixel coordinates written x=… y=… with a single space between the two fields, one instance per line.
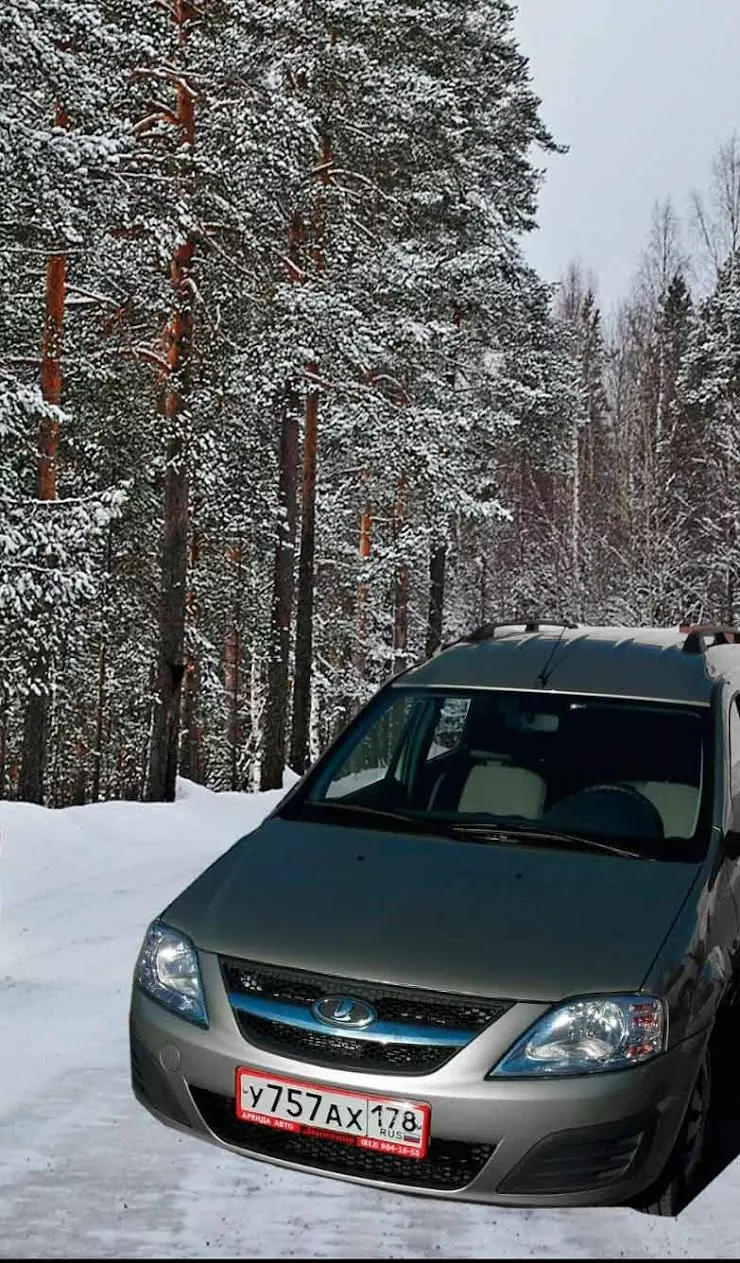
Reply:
x=549 y=768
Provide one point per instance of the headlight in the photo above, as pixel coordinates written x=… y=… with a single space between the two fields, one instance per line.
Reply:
x=584 y=1036
x=167 y=970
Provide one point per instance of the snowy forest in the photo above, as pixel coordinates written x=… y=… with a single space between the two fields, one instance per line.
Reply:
x=283 y=407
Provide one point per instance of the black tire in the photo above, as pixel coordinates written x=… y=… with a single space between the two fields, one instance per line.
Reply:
x=674 y=1187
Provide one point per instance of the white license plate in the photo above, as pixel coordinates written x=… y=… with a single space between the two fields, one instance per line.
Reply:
x=369 y=1122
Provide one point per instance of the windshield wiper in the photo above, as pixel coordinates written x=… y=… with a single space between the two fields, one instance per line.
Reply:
x=473 y=832
x=360 y=809
x=470 y=831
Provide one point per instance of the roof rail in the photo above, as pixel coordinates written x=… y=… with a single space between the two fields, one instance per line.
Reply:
x=487 y=631
x=696 y=634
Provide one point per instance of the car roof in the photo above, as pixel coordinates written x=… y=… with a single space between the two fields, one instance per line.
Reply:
x=655 y=664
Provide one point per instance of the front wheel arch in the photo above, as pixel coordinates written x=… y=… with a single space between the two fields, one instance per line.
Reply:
x=675 y=1186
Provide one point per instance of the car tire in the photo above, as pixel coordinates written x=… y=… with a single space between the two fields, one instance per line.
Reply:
x=674 y=1187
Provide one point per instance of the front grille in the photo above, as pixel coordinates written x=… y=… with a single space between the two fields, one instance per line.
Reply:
x=449 y=1164
x=577 y=1161
x=408 y=1005
x=332 y=1050
x=404 y=1007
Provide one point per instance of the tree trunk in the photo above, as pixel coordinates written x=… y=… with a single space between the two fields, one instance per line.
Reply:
x=79 y=790
x=276 y=706
x=401 y=617
x=575 y=528
x=97 y=754
x=192 y=760
x=35 y=720
x=172 y=610
x=483 y=592
x=171 y=657
x=299 y=754
x=33 y=752
x=363 y=590
x=232 y=669
x=3 y=738
x=437 y=566
x=51 y=372
x=401 y=624
x=438 y=552
x=192 y=754
x=300 y=739
x=232 y=653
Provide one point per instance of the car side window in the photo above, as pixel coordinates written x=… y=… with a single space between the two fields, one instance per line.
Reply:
x=377 y=751
x=449 y=728
x=734 y=742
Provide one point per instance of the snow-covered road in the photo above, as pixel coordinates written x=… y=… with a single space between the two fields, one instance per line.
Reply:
x=84 y=1171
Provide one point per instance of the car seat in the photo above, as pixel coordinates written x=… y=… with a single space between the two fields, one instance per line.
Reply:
x=677 y=804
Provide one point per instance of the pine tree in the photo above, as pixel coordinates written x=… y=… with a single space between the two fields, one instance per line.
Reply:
x=323 y=292
x=710 y=395
x=59 y=149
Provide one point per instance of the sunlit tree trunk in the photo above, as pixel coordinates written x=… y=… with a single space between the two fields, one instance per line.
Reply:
x=35 y=723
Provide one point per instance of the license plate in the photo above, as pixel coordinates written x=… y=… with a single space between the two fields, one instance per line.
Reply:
x=351 y=1118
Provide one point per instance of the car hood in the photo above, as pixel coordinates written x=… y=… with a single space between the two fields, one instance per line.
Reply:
x=486 y=920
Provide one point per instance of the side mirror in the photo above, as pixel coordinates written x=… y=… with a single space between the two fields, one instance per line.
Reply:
x=732 y=844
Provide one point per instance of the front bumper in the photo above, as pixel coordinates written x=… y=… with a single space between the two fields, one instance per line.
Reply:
x=596 y=1140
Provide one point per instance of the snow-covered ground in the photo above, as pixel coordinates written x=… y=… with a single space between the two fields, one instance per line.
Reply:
x=84 y=1170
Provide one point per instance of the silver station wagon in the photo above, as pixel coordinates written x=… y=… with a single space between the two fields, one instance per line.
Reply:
x=481 y=949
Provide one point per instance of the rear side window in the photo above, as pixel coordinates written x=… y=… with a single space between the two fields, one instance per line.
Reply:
x=449 y=726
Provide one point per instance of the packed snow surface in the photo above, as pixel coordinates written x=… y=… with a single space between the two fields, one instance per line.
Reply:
x=85 y=1171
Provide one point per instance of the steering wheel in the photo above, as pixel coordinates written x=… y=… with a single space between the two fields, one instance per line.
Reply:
x=654 y=820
